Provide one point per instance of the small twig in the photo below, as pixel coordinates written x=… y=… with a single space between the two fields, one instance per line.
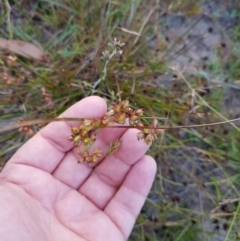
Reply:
x=223 y=202
x=221 y=215
x=227 y=201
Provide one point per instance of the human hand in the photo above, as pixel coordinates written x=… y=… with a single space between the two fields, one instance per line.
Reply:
x=46 y=195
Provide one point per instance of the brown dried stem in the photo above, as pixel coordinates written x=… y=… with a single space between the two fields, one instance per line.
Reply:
x=46 y=121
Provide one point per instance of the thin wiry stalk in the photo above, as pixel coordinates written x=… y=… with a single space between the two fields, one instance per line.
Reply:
x=232 y=222
x=43 y=121
x=205 y=103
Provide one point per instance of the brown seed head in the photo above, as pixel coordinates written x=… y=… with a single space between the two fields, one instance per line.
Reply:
x=94 y=159
x=84 y=133
x=75 y=130
x=87 y=141
x=96 y=123
x=89 y=159
x=98 y=152
x=117 y=108
x=125 y=104
x=139 y=112
x=149 y=138
x=134 y=117
x=104 y=122
x=120 y=118
x=86 y=122
x=146 y=131
x=110 y=113
x=77 y=139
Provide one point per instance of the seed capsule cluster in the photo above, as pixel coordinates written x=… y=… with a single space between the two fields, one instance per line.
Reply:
x=85 y=135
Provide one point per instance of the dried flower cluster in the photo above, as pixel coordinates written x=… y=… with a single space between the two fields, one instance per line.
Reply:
x=117 y=45
x=85 y=135
x=117 y=48
x=121 y=112
x=148 y=134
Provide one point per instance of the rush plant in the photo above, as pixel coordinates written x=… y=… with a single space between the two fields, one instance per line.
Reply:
x=120 y=115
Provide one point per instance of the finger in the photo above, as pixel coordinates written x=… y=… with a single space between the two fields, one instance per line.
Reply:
x=47 y=148
x=106 y=178
x=125 y=206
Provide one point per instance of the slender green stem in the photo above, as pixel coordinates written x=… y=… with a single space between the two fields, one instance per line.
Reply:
x=8 y=15
x=104 y=72
x=236 y=213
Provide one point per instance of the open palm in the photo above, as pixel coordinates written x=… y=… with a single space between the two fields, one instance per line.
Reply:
x=46 y=195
